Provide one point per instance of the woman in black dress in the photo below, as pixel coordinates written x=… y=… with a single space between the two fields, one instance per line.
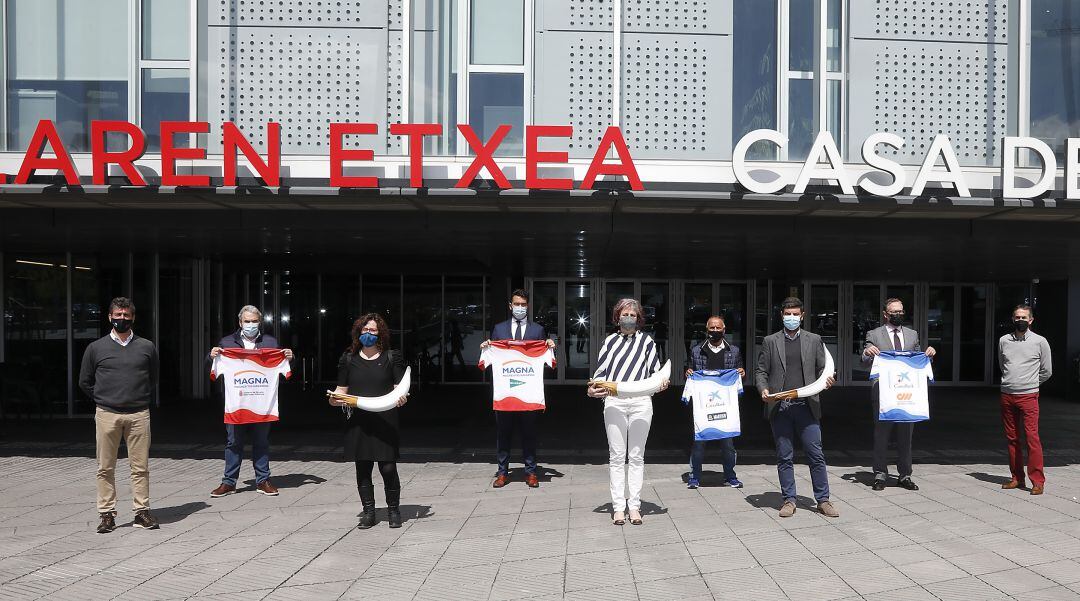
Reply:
x=369 y=369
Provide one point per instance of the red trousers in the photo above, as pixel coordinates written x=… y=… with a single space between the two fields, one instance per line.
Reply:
x=1017 y=410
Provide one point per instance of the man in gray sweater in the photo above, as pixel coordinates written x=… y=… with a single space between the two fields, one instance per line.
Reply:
x=1024 y=358
x=120 y=374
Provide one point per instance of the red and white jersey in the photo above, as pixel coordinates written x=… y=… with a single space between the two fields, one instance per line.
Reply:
x=251 y=383
x=517 y=372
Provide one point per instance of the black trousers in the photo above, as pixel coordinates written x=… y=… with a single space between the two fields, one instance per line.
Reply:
x=882 y=432
x=524 y=422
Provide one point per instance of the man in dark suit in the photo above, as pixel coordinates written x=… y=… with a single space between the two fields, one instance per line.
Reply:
x=790 y=359
x=891 y=336
x=249 y=336
x=518 y=327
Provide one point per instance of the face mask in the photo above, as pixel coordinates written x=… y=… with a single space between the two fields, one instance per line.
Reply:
x=1021 y=325
x=519 y=312
x=121 y=325
x=368 y=339
x=250 y=330
x=628 y=323
x=715 y=336
x=792 y=322
x=896 y=319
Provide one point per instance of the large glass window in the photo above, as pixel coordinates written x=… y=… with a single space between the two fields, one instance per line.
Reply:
x=813 y=73
x=940 y=323
x=753 y=86
x=576 y=346
x=972 y=333
x=164 y=98
x=1055 y=84
x=654 y=302
x=465 y=308
x=67 y=61
x=498 y=32
x=35 y=332
x=435 y=73
x=166 y=29
x=498 y=99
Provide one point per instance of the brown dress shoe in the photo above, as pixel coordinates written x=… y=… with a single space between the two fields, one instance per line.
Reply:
x=500 y=481
x=532 y=481
x=267 y=489
x=826 y=508
x=1011 y=484
x=221 y=491
x=787 y=510
x=1036 y=490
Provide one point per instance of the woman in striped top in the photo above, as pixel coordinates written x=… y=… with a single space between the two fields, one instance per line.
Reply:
x=626 y=356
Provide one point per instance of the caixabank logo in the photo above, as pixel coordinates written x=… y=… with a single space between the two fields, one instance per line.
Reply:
x=251 y=382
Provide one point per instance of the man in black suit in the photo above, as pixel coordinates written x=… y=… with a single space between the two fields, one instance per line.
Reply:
x=249 y=336
x=518 y=327
x=891 y=336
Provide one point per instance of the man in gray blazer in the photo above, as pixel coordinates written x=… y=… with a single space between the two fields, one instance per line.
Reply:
x=891 y=336
x=790 y=359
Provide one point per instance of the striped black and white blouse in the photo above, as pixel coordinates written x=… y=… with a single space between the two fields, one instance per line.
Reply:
x=627 y=358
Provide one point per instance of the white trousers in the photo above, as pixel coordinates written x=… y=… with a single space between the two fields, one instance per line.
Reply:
x=627 y=420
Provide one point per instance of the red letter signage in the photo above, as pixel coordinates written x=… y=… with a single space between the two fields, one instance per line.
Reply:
x=170 y=153
x=270 y=170
x=484 y=156
x=625 y=166
x=416 y=133
x=533 y=156
x=32 y=160
x=339 y=155
x=99 y=131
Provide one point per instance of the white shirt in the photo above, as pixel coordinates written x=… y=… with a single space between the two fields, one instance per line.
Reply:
x=717 y=349
x=523 y=324
x=119 y=340
x=248 y=344
x=899 y=332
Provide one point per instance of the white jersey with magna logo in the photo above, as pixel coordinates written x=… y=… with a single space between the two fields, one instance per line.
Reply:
x=251 y=383
x=716 y=403
x=902 y=385
x=517 y=372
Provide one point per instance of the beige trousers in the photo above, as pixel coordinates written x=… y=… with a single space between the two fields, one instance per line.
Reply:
x=134 y=428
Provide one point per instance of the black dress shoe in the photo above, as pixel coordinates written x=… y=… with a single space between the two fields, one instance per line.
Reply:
x=908 y=484
x=879 y=485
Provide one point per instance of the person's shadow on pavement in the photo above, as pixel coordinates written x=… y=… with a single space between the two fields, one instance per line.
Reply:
x=290 y=481
x=171 y=515
x=992 y=479
x=775 y=500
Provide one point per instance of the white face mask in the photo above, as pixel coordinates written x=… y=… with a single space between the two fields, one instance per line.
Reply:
x=792 y=322
x=250 y=330
x=519 y=312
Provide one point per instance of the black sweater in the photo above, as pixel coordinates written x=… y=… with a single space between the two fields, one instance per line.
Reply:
x=120 y=378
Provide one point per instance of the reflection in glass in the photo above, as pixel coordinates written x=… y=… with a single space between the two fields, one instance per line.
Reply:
x=972 y=333
x=824 y=315
x=654 y=302
x=834 y=38
x=833 y=122
x=497 y=32
x=763 y=315
x=382 y=294
x=939 y=324
x=865 y=316
x=732 y=302
x=800 y=118
x=340 y=307
x=464 y=327
x=94 y=283
x=435 y=76
x=1055 y=85
x=423 y=327
x=576 y=348
x=166 y=29
x=753 y=88
x=544 y=304
x=164 y=98
x=35 y=332
x=699 y=303
x=498 y=99
x=801 y=35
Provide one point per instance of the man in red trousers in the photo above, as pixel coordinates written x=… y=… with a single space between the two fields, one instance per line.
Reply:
x=1024 y=358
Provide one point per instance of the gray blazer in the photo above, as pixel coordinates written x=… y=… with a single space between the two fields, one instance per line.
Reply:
x=881 y=338
x=771 y=366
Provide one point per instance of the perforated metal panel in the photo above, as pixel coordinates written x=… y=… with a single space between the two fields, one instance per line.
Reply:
x=919 y=90
x=676 y=100
x=953 y=20
x=303 y=78
x=307 y=13
x=395 y=13
x=929 y=67
x=576 y=15
x=394 y=98
x=677 y=16
x=574 y=85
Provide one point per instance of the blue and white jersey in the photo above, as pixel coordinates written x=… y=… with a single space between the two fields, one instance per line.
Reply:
x=716 y=403
x=902 y=385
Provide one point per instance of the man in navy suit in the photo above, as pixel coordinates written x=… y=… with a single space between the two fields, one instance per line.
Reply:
x=249 y=336
x=518 y=327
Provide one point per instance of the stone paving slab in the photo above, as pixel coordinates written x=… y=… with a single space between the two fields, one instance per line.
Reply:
x=959 y=537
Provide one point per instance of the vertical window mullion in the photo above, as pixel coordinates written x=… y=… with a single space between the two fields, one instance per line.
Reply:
x=528 y=37
x=464 y=46
x=782 y=75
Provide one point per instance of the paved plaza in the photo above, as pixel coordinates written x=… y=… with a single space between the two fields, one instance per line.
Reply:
x=959 y=537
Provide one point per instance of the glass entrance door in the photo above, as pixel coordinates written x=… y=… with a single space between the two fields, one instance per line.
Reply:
x=867 y=304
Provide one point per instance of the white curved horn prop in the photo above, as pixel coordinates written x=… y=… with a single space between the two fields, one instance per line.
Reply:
x=643 y=387
x=815 y=387
x=385 y=402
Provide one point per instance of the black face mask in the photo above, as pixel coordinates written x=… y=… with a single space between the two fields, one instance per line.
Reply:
x=896 y=320
x=715 y=337
x=1021 y=325
x=121 y=325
